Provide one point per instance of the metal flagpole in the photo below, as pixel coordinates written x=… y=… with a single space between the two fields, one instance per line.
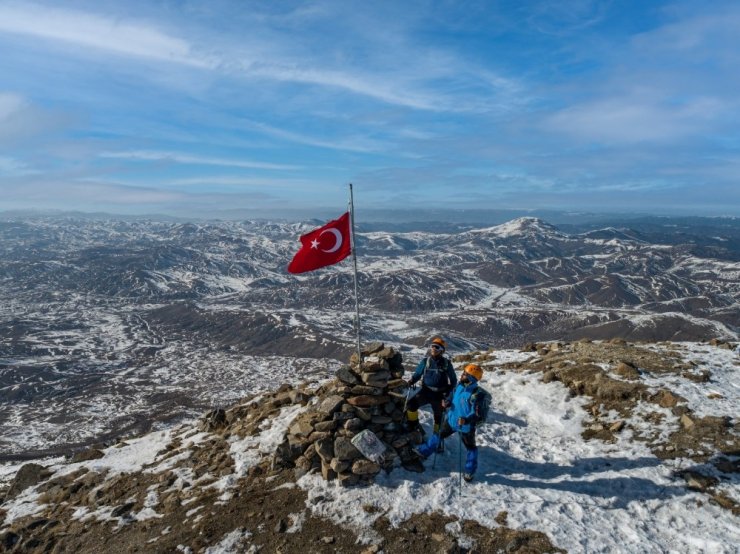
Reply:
x=354 y=263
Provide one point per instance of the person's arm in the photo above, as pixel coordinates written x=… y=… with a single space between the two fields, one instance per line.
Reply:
x=447 y=400
x=418 y=372
x=451 y=375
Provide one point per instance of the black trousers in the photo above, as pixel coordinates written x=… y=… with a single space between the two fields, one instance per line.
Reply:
x=468 y=438
x=428 y=396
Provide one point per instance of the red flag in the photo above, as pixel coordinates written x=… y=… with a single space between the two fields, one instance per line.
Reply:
x=324 y=246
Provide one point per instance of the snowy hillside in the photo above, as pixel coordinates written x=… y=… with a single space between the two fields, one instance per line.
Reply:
x=590 y=447
x=109 y=327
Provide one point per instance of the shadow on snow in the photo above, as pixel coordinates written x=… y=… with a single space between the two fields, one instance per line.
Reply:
x=495 y=466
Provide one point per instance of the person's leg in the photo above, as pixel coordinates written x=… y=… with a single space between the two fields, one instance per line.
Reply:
x=412 y=412
x=436 y=403
x=445 y=431
x=412 y=408
x=428 y=448
x=438 y=412
x=471 y=461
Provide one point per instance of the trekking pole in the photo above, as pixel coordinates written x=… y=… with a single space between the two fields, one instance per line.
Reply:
x=438 y=434
x=459 y=463
x=409 y=390
x=436 y=448
x=406 y=401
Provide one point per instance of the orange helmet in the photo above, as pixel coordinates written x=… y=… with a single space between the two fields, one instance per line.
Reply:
x=440 y=342
x=475 y=370
x=437 y=341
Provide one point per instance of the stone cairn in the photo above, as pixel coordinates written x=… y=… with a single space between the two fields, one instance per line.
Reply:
x=368 y=395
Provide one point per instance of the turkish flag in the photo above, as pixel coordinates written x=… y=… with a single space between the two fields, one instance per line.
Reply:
x=324 y=246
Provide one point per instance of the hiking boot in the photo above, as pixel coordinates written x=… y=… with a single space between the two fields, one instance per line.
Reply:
x=468 y=477
x=441 y=447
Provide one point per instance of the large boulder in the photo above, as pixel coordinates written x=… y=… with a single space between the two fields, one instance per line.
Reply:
x=28 y=475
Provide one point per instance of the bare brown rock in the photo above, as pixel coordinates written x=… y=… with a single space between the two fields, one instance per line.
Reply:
x=666 y=399
x=627 y=370
x=366 y=401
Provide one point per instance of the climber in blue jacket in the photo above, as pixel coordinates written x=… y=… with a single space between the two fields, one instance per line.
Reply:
x=464 y=412
x=437 y=376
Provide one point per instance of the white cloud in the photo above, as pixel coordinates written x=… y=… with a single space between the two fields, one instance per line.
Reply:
x=350 y=144
x=707 y=34
x=52 y=192
x=12 y=167
x=10 y=104
x=247 y=182
x=378 y=87
x=148 y=155
x=565 y=18
x=21 y=120
x=401 y=80
x=93 y=31
x=635 y=119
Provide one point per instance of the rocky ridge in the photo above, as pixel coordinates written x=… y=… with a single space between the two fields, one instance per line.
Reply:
x=154 y=509
x=609 y=373
x=214 y=480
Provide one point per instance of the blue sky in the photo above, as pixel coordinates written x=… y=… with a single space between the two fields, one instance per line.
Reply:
x=198 y=108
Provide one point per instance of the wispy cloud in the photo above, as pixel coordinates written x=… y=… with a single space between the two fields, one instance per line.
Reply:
x=48 y=192
x=477 y=102
x=406 y=85
x=14 y=168
x=174 y=157
x=10 y=104
x=128 y=38
x=21 y=120
x=635 y=119
x=314 y=184
x=351 y=144
x=373 y=86
x=563 y=18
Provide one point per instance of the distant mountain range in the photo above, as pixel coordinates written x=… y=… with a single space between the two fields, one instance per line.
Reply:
x=125 y=305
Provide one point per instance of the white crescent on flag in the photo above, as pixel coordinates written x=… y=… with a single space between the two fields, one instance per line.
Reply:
x=313 y=254
x=337 y=235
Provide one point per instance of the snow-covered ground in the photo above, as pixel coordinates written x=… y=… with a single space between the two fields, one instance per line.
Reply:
x=588 y=496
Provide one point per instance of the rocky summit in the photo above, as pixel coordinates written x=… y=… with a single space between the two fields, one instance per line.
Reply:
x=618 y=429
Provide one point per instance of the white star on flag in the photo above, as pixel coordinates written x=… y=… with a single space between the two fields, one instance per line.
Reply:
x=318 y=251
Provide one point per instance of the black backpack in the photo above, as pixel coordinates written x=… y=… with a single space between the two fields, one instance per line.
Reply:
x=445 y=366
x=482 y=398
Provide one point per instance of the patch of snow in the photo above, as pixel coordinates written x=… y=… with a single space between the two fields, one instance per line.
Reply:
x=248 y=452
x=723 y=381
x=231 y=543
x=585 y=495
x=25 y=504
x=127 y=457
x=296 y=522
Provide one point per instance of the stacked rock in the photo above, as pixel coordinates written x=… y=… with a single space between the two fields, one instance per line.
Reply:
x=367 y=397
